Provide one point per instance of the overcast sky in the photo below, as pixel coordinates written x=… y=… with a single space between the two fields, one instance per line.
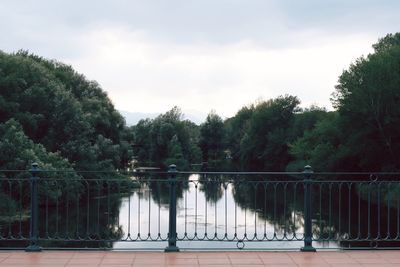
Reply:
x=151 y=55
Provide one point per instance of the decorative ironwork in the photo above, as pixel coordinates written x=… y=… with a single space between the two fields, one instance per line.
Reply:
x=51 y=209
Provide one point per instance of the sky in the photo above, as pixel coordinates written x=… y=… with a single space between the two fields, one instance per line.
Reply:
x=203 y=55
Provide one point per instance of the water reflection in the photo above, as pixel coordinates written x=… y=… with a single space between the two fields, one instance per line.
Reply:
x=215 y=208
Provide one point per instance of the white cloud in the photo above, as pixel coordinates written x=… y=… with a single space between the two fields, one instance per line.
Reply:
x=200 y=55
x=141 y=75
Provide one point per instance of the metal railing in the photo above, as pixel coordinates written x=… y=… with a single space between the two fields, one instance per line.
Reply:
x=54 y=209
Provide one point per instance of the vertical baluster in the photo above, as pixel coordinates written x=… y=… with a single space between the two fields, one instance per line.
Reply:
x=33 y=237
x=378 y=218
x=87 y=235
x=21 y=235
x=255 y=210
x=340 y=209
x=196 y=186
x=349 y=185
x=388 y=235
x=307 y=211
x=226 y=211
x=321 y=231
x=10 y=234
x=275 y=221
x=172 y=210
x=149 y=231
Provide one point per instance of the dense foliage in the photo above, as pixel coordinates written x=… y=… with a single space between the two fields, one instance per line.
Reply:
x=363 y=134
x=165 y=140
x=51 y=105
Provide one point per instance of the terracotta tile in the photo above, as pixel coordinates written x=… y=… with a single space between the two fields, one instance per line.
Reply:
x=253 y=261
x=24 y=255
x=82 y=265
x=57 y=255
x=332 y=255
x=390 y=260
x=277 y=261
x=181 y=255
x=214 y=261
x=147 y=265
x=304 y=255
x=333 y=261
x=281 y=265
x=363 y=254
x=88 y=255
x=119 y=255
x=210 y=259
x=18 y=261
x=214 y=255
x=275 y=256
x=390 y=254
x=309 y=261
x=150 y=255
x=148 y=261
x=371 y=261
x=248 y=265
x=117 y=261
x=181 y=265
x=52 y=261
x=314 y=265
x=8 y=255
x=243 y=255
x=187 y=262
x=82 y=261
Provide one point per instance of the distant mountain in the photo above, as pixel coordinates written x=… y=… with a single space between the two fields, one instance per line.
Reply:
x=132 y=118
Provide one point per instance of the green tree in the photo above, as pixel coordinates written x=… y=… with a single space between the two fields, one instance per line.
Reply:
x=160 y=141
x=236 y=128
x=63 y=111
x=367 y=98
x=212 y=140
x=263 y=143
x=321 y=146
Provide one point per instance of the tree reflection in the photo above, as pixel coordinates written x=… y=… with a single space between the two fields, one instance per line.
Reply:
x=212 y=186
x=280 y=203
x=159 y=184
x=90 y=219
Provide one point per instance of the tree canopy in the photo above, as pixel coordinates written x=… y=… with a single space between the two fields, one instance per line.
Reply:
x=364 y=133
x=61 y=110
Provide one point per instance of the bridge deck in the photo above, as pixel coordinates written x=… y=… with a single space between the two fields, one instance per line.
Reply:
x=204 y=259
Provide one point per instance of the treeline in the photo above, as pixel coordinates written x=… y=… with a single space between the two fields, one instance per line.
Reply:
x=52 y=115
x=362 y=134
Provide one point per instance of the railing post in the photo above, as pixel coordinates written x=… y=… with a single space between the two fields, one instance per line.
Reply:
x=172 y=235
x=33 y=233
x=307 y=211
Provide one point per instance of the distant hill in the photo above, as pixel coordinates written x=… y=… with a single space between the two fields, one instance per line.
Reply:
x=132 y=118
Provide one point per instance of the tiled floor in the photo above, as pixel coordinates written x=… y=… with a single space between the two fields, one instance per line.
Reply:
x=203 y=259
